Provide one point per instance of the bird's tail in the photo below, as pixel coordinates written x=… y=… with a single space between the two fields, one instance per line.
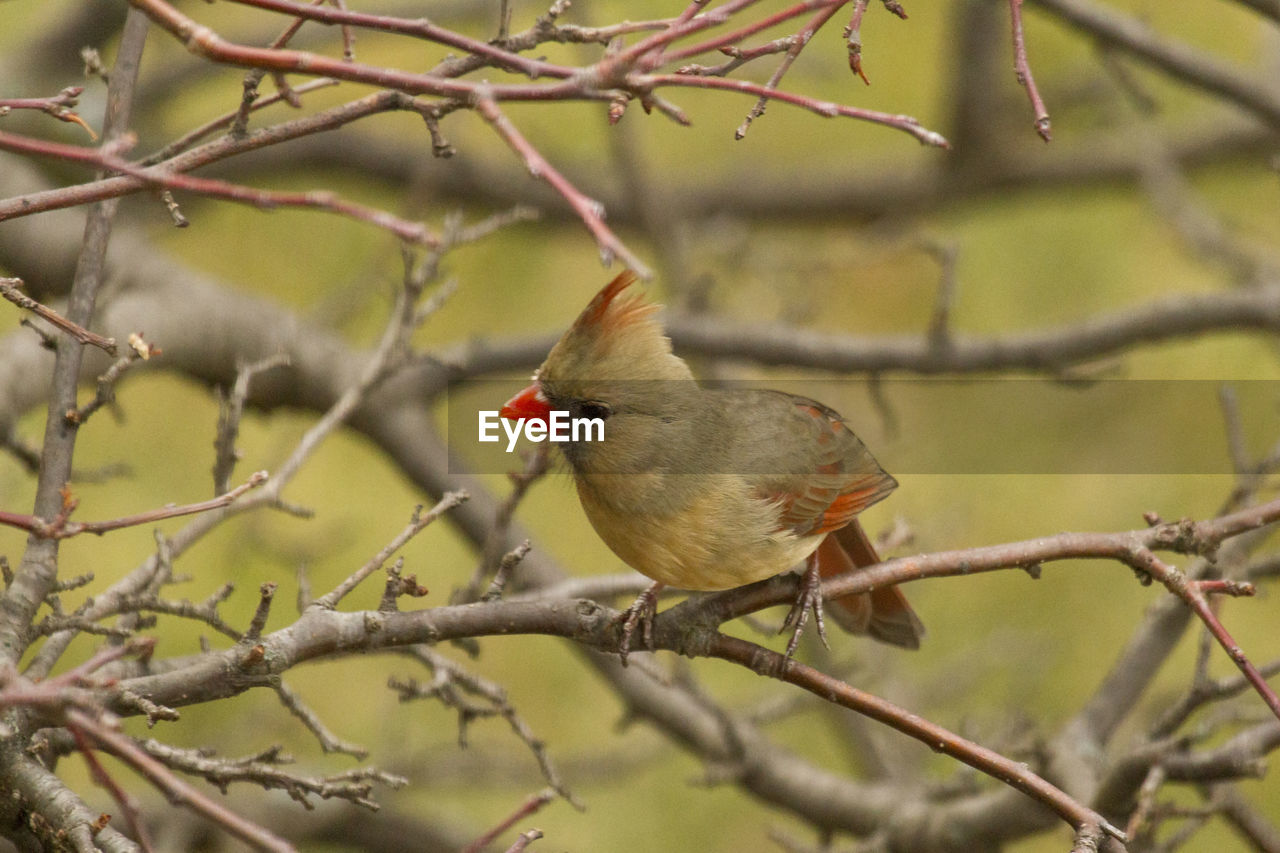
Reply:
x=883 y=613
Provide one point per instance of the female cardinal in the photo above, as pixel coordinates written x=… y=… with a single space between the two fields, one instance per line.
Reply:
x=709 y=489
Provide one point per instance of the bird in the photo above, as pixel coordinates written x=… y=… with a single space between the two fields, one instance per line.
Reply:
x=702 y=488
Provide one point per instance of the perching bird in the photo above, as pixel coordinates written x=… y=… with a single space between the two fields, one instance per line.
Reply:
x=710 y=489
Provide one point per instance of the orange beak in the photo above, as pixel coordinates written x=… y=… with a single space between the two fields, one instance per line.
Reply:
x=528 y=404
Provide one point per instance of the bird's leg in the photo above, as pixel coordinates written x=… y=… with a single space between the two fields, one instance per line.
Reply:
x=809 y=598
x=641 y=612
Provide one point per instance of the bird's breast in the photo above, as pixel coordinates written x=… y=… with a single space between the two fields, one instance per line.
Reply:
x=697 y=532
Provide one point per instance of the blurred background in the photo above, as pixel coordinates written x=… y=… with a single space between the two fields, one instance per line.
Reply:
x=1152 y=188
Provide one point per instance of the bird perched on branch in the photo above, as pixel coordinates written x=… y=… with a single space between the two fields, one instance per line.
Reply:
x=710 y=489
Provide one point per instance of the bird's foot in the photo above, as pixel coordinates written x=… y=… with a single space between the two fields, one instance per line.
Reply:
x=808 y=599
x=639 y=614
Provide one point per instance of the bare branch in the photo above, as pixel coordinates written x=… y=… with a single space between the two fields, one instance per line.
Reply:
x=329 y=742
x=416 y=525
x=9 y=290
x=230 y=410
x=59 y=106
x=178 y=792
x=590 y=211
x=1174 y=58
x=61 y=528
x=263 y=770
x=1022 y=68
x=104 y=157
x=530 y=806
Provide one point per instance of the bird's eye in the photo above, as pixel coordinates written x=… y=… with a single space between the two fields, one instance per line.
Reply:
x=594 y=409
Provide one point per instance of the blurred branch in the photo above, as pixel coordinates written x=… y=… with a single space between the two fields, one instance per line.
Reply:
x=530 y=806
x=1174 y=58
x=1050 y=351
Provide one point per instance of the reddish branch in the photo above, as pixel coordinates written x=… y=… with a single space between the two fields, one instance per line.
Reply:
x=1022 y=68
x=1133 y=548
x=826 y=109
x=212 y=152
x=59 y=106
x=423 y=29
x=530 y=806
x=163 y=176
x=1013 y=773
x=61 y=527
x=176 y=790
x=590 y=211
x=798 y=42
x=734 y=36
x=619 y=76
x=853 y=39
x=690 y=628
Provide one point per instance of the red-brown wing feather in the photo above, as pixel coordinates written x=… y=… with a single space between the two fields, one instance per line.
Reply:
x=846 y=478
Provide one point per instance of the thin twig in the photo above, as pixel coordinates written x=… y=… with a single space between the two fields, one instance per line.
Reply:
x=1022 y=68
x=590 y=211
x=178 y=792
x=1015 y=774
x=105 y=389
x=263 y=770
x=416 y=525
x=798 y=43
x=329 y=741
x=530 y=806
x=193 y=136
x=160 y=176
x=9 y=290
x=62 y=528
x=59 y=106
x=230 y=411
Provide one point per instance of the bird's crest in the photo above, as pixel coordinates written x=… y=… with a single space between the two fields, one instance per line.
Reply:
x=606 y=313
x=617 y=336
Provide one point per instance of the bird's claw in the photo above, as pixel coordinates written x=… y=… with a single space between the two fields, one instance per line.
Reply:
x=639 y=614
x=808 y=599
